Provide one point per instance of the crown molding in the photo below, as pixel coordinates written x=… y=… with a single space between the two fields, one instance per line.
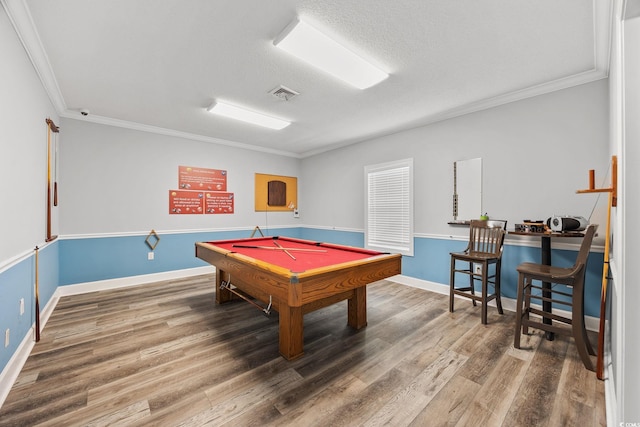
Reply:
x=170 y=132
x=22 y=22
x=21 y=19
x=482 y=104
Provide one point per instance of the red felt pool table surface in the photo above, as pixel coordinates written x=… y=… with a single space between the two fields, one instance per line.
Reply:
x=320 y=275
x=304 y=255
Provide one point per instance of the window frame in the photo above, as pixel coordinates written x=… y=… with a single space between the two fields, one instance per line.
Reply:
x=375 y=240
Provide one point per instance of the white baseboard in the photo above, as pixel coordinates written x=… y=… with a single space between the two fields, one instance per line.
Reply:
x=123 y=282
x=591 y=323
x=10 y=373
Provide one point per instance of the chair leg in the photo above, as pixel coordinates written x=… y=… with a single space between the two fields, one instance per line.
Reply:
x=526 y=289
x=497 y=286
x=585 y=337
x=472 y=282
x=578 y=326
x=516 y=337
x=485 y=292
x=451 y=283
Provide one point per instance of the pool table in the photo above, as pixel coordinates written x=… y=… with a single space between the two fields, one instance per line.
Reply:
x=295 y=277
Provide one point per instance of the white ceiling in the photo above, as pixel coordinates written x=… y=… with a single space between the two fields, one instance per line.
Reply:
x=156 y=64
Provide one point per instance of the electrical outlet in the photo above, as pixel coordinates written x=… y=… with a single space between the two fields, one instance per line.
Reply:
x=21 y=306
x=6 y=338
x=296 y=213
x=150 y=256
x=477 y=268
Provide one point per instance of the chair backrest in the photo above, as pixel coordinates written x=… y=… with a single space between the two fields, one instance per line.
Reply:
x=487 y=236
x=585 y=247
x=492 y=223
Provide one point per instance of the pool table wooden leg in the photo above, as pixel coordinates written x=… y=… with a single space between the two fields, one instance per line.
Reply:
x=222 y=295
x=291 y=332
x=357 y=312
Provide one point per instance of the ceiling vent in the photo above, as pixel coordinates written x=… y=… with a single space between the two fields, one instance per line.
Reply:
x=283 y=93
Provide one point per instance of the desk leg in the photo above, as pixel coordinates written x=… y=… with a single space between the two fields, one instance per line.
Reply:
x=546 y=286
x=291 y=332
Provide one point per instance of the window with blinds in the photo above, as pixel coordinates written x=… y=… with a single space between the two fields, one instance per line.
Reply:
x=389 y=207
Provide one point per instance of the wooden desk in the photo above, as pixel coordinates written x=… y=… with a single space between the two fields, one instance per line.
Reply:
x=545 y=252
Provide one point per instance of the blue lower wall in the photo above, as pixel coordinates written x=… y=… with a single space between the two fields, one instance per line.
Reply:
x=432 y=262
x=82 y=260
x=18 y=281
x=92 y=259
x=349 y=238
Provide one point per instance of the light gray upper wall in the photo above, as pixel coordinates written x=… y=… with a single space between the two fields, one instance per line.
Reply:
x=24 y=106
x=536 y=153
x=116 y=180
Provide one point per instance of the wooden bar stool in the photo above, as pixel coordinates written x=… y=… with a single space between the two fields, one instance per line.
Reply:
x=486 y=239
x=573 y=278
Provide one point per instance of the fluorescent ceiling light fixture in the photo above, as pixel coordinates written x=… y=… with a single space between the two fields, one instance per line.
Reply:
x=310 y=45
x=226 y=110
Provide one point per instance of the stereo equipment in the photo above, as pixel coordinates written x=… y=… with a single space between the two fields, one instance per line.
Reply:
x=529 y=226
x=567 y=223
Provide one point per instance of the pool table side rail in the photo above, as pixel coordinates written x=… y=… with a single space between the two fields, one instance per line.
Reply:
x=257 y=240
x=241 y=269
x=299 y=288
x=285 y=273
x=322 y=282
x=206 y=250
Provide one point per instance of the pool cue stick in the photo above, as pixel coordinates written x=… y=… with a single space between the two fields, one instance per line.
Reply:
x=37 y=291
x=285 y=251
x=266 y=311
x=603 y=295
x=49 y=183
x=55 y=180
x=51 y=127
x=278 y=249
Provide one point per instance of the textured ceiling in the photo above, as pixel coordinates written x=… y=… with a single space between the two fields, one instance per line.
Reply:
x=156 y=64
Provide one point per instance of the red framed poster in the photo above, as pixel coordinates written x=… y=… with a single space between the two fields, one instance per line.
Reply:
x=193 y=178
x=183 y=202
x=218 y=203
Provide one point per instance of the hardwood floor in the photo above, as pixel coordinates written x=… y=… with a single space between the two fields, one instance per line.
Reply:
x=165 y=354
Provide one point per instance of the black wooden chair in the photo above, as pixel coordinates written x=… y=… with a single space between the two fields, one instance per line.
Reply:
x=486 y=240
x=573 y=277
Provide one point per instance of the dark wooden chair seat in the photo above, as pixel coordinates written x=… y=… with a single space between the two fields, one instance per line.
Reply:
x=546 y=271
x=529 y=274
x=486 y=239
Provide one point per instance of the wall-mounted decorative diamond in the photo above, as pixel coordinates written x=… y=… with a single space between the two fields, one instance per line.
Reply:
x=152 y=239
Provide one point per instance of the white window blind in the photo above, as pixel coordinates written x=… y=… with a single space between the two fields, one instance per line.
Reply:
x=389 y=207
